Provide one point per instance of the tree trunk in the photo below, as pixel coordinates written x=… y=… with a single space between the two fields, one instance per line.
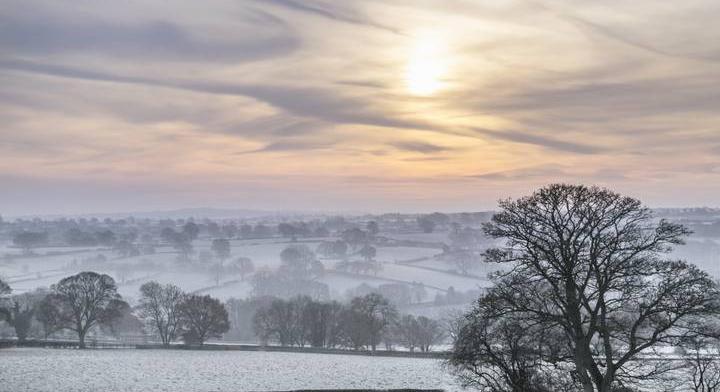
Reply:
x=607 y=381
x=81 y=336
x=582 y=372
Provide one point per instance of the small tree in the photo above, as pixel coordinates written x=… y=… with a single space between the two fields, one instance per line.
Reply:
x=4 y=288
x=5 y=303
x=427 y=225
x=299 y=262
x=430 y=332
x=244 y=266
x=159 y=307
x=221 y=248
x=85 y=300
x=354 y=237
x=203 y=317
x=368 y=253
x=22 y=311
x=372 y=228
x=191 y=230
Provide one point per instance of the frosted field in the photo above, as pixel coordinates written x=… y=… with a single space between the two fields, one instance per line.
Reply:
x=437 y=236
x=430 y=278
x=403 y=253
x=128 y=370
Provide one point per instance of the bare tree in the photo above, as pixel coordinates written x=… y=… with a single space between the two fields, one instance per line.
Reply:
x=203 y=317
x=191 y=229
x=48 y=313
x=430 y=332
x=221 y=248
x=22 y=311
x=590 y=261
x=5 y=291
x=276 y=322
x=370 y=316
x=244 y=266
x=159 y=307
x=85 y=300
x=700 y=353
x=368 y=253
x=299 y=262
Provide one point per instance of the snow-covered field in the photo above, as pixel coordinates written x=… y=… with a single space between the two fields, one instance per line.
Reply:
x=430 y=278
x=437 y=236
x=404 y=253
x=128 y=370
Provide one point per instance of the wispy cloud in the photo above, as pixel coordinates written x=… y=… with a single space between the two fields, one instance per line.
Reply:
x=333 y=11
x=306 y=97
x=37 y=32
x=419 y=147
x=314 y=102
x=544 y=171
x=542 y=141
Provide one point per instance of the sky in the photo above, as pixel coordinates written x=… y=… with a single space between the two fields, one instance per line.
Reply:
x=374 y=106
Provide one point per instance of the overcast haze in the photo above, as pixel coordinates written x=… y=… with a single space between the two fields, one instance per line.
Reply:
x=408 y=106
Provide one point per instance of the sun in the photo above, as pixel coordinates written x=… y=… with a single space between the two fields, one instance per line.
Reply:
x=425 y=68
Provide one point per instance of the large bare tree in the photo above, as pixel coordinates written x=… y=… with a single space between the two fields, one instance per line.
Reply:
x=159 y=307
x=591 y=263
x=85 y=300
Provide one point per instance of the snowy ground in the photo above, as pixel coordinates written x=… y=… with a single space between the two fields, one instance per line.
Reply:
x=128 y=370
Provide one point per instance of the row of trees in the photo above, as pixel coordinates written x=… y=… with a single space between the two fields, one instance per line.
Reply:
x=181 y=238
x=82 y=302
x=364 y=323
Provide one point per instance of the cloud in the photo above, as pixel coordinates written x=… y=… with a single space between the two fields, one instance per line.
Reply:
x=42 y=33
x=627 y=37
x=289 y=146
x=419 y=147
x=314 y=102
x=543 y=171
x=331 y=11
x=628 y=98
x=542 y=141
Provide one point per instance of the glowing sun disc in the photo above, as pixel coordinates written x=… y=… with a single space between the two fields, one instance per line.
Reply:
x=425 y=68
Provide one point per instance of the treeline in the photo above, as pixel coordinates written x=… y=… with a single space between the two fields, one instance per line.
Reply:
x=88 y=304
x=363 y=324
x=82 y=303
x=31 y=234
